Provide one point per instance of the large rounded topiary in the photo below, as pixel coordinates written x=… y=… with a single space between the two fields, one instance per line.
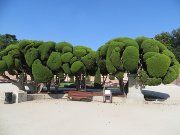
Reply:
x=130 y=59
x=31 y=55
x=41 y=73
x=158 y=65
x=66 y=57
x=77 y=67
x=54 y=61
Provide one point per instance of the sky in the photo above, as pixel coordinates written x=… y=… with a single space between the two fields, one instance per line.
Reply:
x=87 y=22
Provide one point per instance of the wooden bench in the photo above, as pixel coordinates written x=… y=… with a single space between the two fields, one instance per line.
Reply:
x=80 y=96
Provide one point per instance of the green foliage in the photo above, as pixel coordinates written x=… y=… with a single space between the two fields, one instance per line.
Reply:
x=9 y=61
x=3 y=66
x=119 y=75
x=31 y=55
x=73 y=60
x=158 y=65
x=14 y=53
x=67 y=49
x=148 y=55
x=6 y=40
x=140 y=40
x=79 y=51
x=17 y=63
x=97 y=79
x=111 y=77
x=77 y=67
x=66 y=57
x=63 y=47
x=45 y=49
x=169 y=54
x=66 y=68
x=54 y=61
x=150 y=45
x=153 y=81
x=143 y=76
x=130 y=59
x=41 y=73
x=115 y=58
x=170 y=76
x=110 y=68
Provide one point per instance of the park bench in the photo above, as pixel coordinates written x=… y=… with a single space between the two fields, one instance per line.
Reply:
x=80 y=95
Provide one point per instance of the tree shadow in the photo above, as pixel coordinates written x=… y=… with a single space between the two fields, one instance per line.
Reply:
x=153 y=95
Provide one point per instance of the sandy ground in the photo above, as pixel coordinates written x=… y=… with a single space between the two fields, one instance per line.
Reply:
x=53 y=117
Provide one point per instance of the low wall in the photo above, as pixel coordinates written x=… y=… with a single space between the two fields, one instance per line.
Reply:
x=31 y=97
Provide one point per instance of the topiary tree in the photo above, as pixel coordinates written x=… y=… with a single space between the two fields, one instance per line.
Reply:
x=120 y=55
x=158 y=64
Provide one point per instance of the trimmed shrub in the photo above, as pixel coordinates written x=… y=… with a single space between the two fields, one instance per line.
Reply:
x=116 y=59
x=67 y=49
x=9 y=61
x=139 y=40
x=148 y=55
x=66 y=57
x=66 y=68
x=3 y=66
x=31 y=55
x=130 y=59
x=127 y=41
x=110 y=68
x=169 y=54
x=45 y=49
x=73 y=60
x=79 y=52
x=153 y=81
x=60 y=46
x=41 y=74
x=150 y=45
x=54 y=61
x=158 y=65
x=170 y=76
x=77 y=67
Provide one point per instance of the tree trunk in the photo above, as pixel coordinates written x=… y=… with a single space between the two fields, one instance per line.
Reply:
x=121 y=86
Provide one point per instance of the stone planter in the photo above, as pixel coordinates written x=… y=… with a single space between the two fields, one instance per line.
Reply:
x=134 y=90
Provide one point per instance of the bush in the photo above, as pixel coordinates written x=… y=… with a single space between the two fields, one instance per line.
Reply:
x=77 y=67
x=41 y=74
x=31 y=55
x=63 y=45
x=110 y=68
x=116 y=59
x=143 y=76
x=170 y=76
x=73 y=60
x=45 y=49
x=158 y=65
x=130 y=59
x=3 y=66
x=54 y=61
x=66 y=57
x=150 y=45
x=169 y=54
